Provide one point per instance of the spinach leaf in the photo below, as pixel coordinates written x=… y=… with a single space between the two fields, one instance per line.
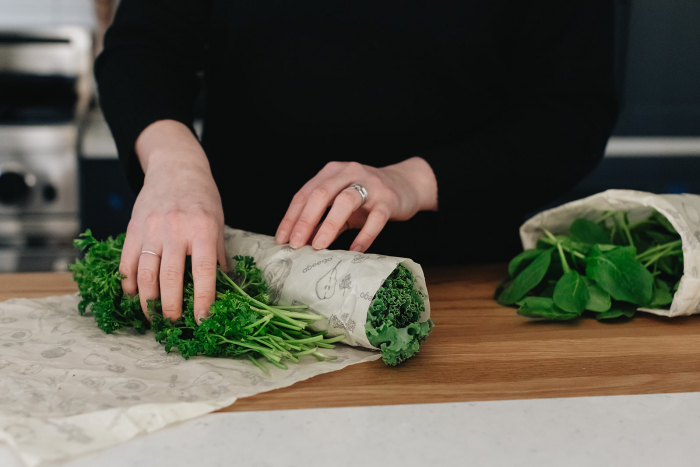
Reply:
x=541 y=307
x=624 y=260
x=662 y=294
x=599 y=299
x=527 y=279
x=571 y=293
x=585 y=231
x=617 y=310
x=619 y=273
x=521 y=261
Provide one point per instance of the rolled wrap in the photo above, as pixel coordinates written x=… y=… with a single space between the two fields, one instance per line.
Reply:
x=338 y=285
x=682 y=211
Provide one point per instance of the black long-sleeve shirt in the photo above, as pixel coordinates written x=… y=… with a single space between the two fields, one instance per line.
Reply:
x=510 y=102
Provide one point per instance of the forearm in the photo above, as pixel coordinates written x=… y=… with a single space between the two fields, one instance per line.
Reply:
x=168 y=143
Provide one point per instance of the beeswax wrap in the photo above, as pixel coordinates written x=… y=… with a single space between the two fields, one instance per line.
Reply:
x=67 y=388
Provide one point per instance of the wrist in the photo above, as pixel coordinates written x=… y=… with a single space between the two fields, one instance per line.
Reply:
x=421 y=178
x=168 y=144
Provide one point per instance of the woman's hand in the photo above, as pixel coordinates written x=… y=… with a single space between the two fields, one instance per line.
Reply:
x=396 y=192
x=177 y=213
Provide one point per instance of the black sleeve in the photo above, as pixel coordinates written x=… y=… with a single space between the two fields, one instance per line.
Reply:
x=148 y=69
x=560 y=110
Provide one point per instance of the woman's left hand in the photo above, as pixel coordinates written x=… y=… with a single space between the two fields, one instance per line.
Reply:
x=396 y=192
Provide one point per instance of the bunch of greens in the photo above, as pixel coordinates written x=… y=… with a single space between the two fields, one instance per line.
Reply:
x=609 y=266
x=392 y=319
x=241 y=321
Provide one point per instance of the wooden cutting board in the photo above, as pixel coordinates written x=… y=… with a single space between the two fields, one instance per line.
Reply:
x=481 y=351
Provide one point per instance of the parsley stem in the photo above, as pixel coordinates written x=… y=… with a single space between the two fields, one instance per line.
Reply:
x=321 y=356
x=279 y=365
x=251 y=346
x=308 y=340
x=306 y=316
x=285 y=325
x=261 y=328
x=294 y=307
x=324 y=346
x=305 y=352
x=257 y=363
x=262 y=320
x=334 y=339
x=262 y=305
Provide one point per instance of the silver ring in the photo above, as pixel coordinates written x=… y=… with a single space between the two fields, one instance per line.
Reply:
x=361 y=190
x=150 y=253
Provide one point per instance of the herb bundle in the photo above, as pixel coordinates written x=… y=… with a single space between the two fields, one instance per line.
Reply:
x=608 y=266
x=392 y=319
x=241 y=322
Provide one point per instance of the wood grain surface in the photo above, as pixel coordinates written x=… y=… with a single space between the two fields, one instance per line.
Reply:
x=481 y=351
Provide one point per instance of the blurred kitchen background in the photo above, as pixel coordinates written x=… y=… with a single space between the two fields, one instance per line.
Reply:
x=59 y=172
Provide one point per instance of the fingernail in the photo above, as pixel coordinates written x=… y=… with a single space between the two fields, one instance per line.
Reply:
x=199 y=316
x=297 y=240
x=356 y=248
x=319 y=242
x=280 y=235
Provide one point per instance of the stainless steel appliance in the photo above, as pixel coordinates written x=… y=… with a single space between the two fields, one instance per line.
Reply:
x=45 y=77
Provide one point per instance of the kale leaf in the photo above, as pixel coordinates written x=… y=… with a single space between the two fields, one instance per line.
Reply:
x=392 y=319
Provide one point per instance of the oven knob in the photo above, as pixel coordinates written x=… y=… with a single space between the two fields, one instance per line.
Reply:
x=14 y=187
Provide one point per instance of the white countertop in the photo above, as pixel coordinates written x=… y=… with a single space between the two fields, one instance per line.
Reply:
x=639 y=431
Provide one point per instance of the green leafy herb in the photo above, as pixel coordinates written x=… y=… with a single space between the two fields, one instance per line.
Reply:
x=585 y=231
x=545 y=308
x=619 y=273
x=392 y=319
x=241 y=322
x=608 y=266
x=528 y=278
x=599 y=299
x=571 y=293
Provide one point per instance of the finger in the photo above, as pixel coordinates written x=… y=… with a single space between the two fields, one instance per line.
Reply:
x=313 y=234
x=221 y=253
x=347 y=202
x=147 y=277
x=376 y=221
x=172 y=271
x=319 y=199
x=204 y=253
x=299 y=200
x=129 y=262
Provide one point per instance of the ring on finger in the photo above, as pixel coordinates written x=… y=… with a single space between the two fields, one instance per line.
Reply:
x=361 y=190
x=150 y=253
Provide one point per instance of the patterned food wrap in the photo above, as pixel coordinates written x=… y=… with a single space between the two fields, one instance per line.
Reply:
x=683 y=211
x=338 y=285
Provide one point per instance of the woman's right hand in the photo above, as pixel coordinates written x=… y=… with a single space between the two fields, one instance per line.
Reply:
x=177 y=213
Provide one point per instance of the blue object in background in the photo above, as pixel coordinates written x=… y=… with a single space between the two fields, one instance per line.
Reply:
x=115 y=201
